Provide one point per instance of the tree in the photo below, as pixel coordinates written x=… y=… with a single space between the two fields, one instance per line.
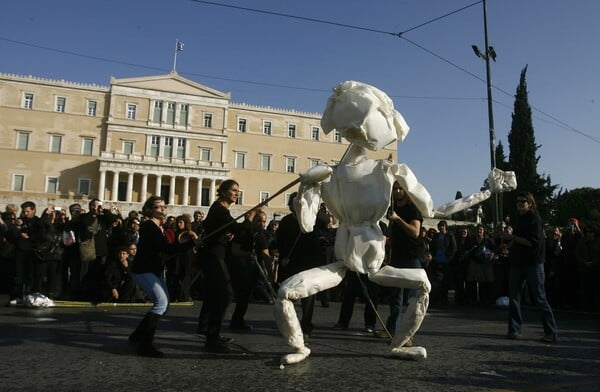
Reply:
x=522 y=156
x=580 y=203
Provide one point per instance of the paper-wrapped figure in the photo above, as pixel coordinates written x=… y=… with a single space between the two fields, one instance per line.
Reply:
x=357 y=192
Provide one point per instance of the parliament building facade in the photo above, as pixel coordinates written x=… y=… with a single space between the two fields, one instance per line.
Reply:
x=63 y=142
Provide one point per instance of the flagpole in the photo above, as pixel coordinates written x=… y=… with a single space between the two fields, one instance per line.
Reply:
x=175 y=56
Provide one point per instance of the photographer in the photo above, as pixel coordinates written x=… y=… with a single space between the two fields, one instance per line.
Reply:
x=93 y=230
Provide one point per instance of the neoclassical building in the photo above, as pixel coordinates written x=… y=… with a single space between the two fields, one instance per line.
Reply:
x=63 y=142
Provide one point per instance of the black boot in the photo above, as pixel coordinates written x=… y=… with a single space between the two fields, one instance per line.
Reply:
x=137 y=335
x=146 y=336
x=217 y=344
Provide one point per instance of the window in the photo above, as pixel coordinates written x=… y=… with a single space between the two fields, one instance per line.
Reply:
x=337 y=136
x=240 y=160
x=83 y=187
x=240 y=199
x=241 y=126
x=290 y=165
x=87 y=146
x=27 y=102
x=267 y=127
x=91 y=108
x=183 y=114
x=128 y=147
x=51 y=184
x=208 y=120
x=205 y=154
x=168 y=152
x=171 y=113
x=18 y=182
x=55 y=143
x=157 y=112
x=154 y=145
x=131 y=109
x=291 y=130
x=180 y=148
x=60 y=104
x=313 y=162
x=264 y=196
x=265 y=162
x=22 y=140
x=314 y=133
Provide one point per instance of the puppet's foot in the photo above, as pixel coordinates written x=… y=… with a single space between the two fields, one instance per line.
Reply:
x=413 y=353
x=296 y=357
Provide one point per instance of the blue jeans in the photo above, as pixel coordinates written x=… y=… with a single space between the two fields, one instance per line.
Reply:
x=533 y=274
x=156 y=290
x=397 y=299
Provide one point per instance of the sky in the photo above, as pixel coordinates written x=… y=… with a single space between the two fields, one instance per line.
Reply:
x=430 y=70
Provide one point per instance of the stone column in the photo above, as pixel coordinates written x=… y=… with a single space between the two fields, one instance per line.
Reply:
x=186 y=190
x=101 y=184
x=172 y=190
x=115 y=186
x=158 y=185
x=129 y=194
x=144 y=189
x=213 y=191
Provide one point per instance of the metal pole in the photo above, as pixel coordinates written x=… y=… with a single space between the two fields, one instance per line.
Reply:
x=490 y=109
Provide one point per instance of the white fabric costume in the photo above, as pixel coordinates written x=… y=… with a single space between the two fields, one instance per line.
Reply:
x=357 y=192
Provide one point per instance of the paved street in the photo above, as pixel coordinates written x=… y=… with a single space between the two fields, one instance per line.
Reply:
x=86 y=348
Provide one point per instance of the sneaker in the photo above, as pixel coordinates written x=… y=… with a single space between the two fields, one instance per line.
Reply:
x=340 y=326
x=12 y=302
x=512 y=335
x=217 y=347
x=381 y=334
x=549 y=338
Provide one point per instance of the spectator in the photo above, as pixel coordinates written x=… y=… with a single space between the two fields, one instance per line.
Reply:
x=480 y=272
x=460 y=264
x=22 y=234
x=442 y=249
x=119 y=284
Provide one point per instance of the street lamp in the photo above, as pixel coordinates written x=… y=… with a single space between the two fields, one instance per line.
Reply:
x=490 y=54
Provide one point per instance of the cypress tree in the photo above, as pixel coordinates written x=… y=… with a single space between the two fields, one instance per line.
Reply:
x=522 y=156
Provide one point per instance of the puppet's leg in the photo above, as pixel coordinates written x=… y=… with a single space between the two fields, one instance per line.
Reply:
x=302 y=285
x=410 y=278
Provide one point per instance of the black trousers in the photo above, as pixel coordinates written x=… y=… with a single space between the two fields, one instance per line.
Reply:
x=243 y=278
x=218 y=294
x=353 y=288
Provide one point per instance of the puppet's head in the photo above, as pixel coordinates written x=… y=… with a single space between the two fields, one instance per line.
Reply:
x=364 y=115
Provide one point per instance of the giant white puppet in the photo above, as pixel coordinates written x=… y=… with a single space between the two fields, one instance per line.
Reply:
x=357 y=192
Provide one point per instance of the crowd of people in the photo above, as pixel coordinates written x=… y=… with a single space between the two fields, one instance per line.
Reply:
x=94 y=255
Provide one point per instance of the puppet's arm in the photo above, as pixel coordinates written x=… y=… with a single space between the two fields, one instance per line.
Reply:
x=306 y=204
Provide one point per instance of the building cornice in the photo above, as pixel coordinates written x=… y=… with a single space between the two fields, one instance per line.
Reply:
x=54 y=82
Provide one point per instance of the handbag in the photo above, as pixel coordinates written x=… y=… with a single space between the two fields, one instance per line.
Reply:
x=49 y=251
x=87 y=250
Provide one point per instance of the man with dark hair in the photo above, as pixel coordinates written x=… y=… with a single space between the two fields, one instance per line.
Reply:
x=297 y=252
x=442 y=249
x=197 y=225
x=95 y=225
x=22 y=234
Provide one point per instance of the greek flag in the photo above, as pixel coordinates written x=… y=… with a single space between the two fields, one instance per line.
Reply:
x=179 y=46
